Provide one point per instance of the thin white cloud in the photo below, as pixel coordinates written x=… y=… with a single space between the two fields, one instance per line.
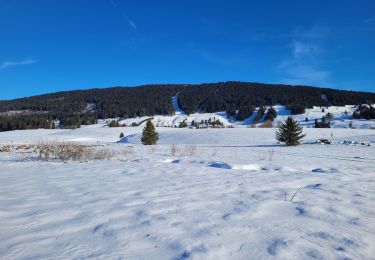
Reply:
x=132 y=24
x=113 y=3
x=301 y=49
x=306 y=75
x=302 y=65
x=220 y=59
x=123 y=14
x=315 y=32
x=7 y=64
x=369 y=20
x=130 y=21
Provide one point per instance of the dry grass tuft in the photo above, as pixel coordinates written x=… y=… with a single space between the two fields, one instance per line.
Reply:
x=66 y=151
x=173 y=148
x=264 y=155
x=126 y=151
x=266 y=124
x=189 y=150
x=6 y=149
x=185 y=151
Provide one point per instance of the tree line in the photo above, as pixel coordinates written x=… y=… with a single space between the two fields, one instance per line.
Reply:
x=238 y=99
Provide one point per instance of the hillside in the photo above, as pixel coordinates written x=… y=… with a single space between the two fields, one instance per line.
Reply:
x=238 y=99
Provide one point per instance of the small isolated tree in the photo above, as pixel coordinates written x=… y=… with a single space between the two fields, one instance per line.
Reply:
x=329 y=116
x=182 y=124
x=122 y=135
x=271 y=114
x=290 y=132
x=149 y=135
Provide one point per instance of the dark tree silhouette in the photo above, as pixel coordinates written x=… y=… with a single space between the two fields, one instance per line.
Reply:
x=149 y=135
x=271 y=114
x=238 y=99
x=290 y=132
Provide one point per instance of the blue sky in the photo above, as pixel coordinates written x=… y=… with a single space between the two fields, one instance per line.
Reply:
x=54 y=45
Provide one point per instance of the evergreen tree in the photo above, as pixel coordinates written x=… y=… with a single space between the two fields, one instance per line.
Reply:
x=149 y=135
x=114 y=123
x=271 y=114
x=329 y=116
x=290 y=132
x=182 y=124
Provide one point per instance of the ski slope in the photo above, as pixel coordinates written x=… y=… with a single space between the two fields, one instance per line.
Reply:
x=342 y=117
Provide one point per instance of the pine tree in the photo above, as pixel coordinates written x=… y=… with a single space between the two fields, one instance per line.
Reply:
x=149 y=135
x=290 y=132
x=114 y=123
x=182 y=124
x=271 y=114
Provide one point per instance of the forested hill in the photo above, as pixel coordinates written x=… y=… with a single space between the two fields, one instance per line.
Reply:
x=236 y=98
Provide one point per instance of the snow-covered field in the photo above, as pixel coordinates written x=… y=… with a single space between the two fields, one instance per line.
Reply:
x=225 y=194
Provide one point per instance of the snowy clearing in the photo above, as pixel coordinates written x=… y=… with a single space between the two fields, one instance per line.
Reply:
x=224 y=194
x=342 y=117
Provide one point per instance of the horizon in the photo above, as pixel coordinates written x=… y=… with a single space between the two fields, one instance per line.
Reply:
x=54 y=46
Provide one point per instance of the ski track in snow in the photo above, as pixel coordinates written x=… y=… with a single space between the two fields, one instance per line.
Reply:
x=229 y=200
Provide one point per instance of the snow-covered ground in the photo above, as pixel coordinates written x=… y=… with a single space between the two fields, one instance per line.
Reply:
x=225 y=194
x=342 y=117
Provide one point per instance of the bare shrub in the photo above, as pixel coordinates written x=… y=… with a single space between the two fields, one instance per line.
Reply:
x=173 y=149
x=24 y=147
x=66 y=151
x=262 y=155
x=127 y=150
x=100 y=154
x=6 y=148
x=70 y=152
x=44 y=150
x=189 y=150
x=186 y=150
x=270 y=155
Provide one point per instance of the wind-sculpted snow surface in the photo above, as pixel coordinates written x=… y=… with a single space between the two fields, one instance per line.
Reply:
x=234 y=199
